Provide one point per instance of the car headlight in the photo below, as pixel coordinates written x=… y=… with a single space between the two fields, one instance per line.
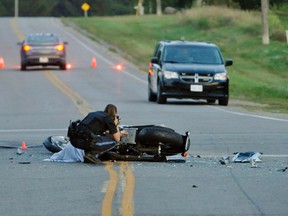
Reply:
x=170 y=75
x=220 y=76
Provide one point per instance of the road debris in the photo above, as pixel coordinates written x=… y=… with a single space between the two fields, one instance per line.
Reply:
x=283 y=170
x=19 y=151
x=224 y=161
x=253 y=163
x=242 y=157
x=24 y=162
x=246 y=157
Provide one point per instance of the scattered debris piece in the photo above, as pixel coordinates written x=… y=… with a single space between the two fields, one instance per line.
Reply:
x=224 y=160
x=5 y=146
x=283 y=170
x=253 y=163
x=19 y=151
x=176 y=159
x=246 y=157
x=8 y=147
x=24 y=162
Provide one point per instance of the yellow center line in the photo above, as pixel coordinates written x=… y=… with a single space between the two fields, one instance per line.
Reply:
x=84 y=108
x=127 y=199
x=81 y=104
x=110 y=191
x=16 y=29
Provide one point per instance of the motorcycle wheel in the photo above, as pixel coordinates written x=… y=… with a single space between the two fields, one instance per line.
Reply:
x=55 y=143
x=157 y=134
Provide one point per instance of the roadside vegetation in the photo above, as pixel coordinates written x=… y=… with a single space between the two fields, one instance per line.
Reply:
x=259 y=73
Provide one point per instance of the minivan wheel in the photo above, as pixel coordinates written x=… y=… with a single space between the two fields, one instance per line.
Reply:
x=160 y=98
x=151 y=96
x=223 y=101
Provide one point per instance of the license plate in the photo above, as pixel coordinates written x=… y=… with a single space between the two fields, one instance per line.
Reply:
x=43 y=59
x=196 y=88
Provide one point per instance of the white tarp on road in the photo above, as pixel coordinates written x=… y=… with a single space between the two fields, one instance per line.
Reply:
x=68 y=154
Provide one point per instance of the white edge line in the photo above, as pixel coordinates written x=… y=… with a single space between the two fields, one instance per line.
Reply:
x=251 y=115
x=31 y=130
x=274 y=155
x=97 y=54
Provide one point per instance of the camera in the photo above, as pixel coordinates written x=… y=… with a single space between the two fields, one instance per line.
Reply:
x=118 y=120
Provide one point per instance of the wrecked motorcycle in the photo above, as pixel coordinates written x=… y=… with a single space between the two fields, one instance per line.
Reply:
x=143 y=143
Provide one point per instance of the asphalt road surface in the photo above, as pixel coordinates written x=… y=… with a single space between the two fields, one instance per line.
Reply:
x=39 y=103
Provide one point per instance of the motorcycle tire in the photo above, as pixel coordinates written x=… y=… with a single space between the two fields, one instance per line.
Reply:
x=157 y=134
x=55 y=143
x=50 y=146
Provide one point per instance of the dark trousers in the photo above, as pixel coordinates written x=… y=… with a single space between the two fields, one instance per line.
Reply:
x=98 y=143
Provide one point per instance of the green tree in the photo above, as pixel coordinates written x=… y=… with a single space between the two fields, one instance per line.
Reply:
x=6 y=8
x=67 y=8
x=113 y=7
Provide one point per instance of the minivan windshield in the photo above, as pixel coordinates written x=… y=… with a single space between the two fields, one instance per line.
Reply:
x=192 y=54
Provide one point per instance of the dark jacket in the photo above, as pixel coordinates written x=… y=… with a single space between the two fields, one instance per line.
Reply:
x=91 y=128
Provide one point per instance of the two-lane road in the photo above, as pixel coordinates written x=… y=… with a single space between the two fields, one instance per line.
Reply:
x=36 y=104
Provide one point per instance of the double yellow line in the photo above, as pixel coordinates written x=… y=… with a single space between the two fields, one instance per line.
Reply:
x=127 y=199
x=84 y=108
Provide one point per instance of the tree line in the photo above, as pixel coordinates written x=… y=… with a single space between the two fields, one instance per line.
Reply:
x=72 y=8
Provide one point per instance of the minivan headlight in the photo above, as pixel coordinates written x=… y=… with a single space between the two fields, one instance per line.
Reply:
x=220 y=76
x=170 y=75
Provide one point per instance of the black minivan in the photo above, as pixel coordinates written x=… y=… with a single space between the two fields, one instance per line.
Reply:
x=186 y=69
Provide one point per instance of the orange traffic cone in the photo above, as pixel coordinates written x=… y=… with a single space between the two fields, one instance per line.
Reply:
x=1 y=63
x=93 y=63
x=23 y=147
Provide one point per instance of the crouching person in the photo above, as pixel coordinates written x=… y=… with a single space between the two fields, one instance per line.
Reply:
x=96 y=133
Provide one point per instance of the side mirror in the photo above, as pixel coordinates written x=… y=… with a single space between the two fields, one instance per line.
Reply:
x=20 y=43
x=154 y=60
x=228 y=62
x=65 y=42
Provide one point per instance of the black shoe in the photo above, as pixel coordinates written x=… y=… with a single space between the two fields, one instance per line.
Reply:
x=90 y=158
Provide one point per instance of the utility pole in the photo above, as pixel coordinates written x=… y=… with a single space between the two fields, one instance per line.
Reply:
x=265 y=23
x=159 y=7
x=16 y=5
